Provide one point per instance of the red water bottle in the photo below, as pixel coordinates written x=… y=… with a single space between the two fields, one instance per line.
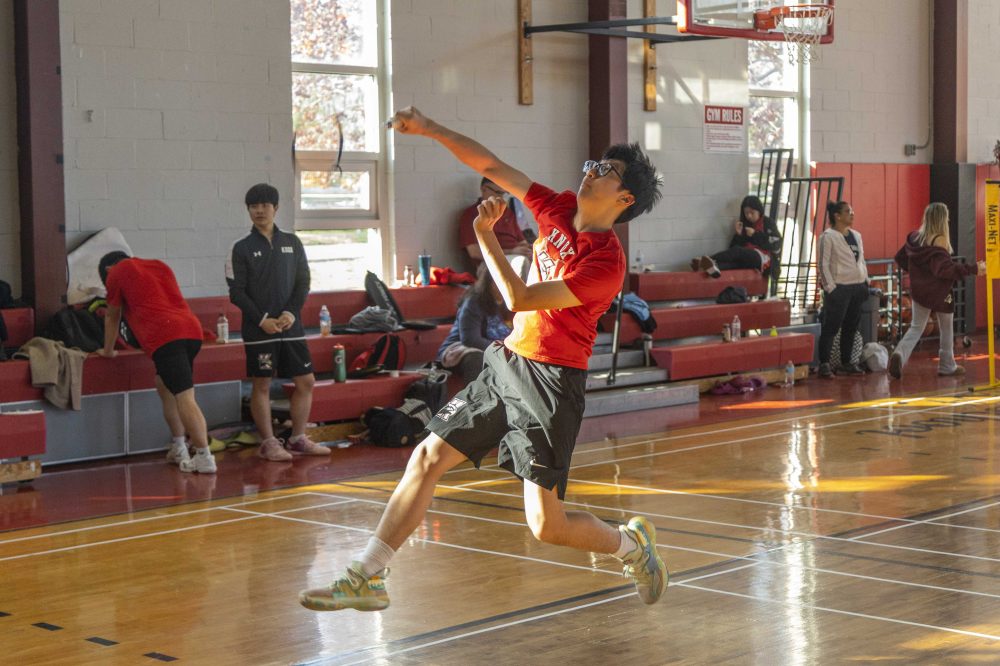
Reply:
x=339 y=363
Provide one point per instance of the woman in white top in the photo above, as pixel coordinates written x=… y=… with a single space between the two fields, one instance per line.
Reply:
x=844 y=279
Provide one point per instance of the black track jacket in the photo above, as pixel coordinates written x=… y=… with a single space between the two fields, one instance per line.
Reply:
x=266 y=279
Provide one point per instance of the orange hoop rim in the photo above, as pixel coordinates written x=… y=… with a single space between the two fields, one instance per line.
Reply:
x=769 y=19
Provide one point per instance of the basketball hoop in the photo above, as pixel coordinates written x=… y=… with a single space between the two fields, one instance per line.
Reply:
x=802 y=25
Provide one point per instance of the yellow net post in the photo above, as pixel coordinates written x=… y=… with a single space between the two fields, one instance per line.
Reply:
x=992 y=265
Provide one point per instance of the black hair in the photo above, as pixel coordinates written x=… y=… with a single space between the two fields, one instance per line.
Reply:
x=639 y=178
x=486 y=181
x=753 y=203
x=832 y=208
x=482 y=294
x=109 y=260
x=262 y=193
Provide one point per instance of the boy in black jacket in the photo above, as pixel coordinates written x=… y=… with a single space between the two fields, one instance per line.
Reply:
x=268 y=277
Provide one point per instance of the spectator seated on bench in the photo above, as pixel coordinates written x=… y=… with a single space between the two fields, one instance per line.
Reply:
x=482 y=318
x=755 y=245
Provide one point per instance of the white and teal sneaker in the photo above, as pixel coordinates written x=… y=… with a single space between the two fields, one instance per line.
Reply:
x=352 y=590
x=643 y=565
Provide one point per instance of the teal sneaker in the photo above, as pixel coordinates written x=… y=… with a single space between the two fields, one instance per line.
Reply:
x=643 y=565
x=352 y=590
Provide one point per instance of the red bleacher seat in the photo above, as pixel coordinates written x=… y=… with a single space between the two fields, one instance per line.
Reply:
x=349 y=400
x=675 y=286
x=22 y=434
x=720 y=358
x=703 y=319
x=20 y=324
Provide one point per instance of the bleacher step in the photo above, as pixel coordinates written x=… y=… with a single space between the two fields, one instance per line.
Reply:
x=601 y=360
x=635 y=398
x=634 y=376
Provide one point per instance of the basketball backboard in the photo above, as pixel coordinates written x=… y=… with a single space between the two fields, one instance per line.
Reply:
x=738 y=18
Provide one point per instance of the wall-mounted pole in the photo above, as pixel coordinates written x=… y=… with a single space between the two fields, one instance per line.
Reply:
x=525 y=71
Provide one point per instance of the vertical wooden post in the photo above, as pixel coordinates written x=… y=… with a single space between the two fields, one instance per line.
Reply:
x=525 y=71
x=649 y=59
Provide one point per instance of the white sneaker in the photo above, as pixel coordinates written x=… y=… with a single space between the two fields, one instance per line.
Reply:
x=178 y=453
x=203 y=463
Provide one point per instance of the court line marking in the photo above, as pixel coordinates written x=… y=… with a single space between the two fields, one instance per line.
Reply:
x=807 y=535
x=902 y=411
x=963 y=632
x=139 y=520
x=150 y=534
x=755 y=559
x=931 y=521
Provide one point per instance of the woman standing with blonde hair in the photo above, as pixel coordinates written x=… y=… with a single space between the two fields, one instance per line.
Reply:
x=926 y=256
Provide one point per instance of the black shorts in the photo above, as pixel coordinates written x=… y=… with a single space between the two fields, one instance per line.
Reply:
x=532 y=410
x=278 y=358
x=174 y=363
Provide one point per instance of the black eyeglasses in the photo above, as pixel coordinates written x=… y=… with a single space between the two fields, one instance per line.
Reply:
x=602 y=169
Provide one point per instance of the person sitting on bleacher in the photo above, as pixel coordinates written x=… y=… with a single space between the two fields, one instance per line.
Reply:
x=268 y=277
x=481 y=319
x=146 y=291
x=509 y=232
x=755 y=244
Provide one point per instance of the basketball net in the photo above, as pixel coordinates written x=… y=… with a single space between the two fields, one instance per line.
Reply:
x=803 y=26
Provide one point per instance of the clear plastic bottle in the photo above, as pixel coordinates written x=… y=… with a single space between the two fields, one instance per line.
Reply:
x=789 y=374
x=735 y=327
x=222 y=329
x=638 y=262
x=325 y=323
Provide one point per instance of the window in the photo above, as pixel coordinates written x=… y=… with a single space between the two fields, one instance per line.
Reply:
x=774 y=102
x=339 y=102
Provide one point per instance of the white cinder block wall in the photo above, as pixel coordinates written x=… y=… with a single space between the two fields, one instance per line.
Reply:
x=701 y=191
x=10 y=224
x=984 y=79
x=871 y=88
x=172 y=110
x=174 y=107
x=456 y=62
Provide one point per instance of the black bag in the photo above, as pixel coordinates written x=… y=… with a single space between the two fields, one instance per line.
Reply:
x=78 y=328
x=431 y=389
x=380 y=295
x=391 y=428
x=388 y=351
x=6 y=296
x=732 y=294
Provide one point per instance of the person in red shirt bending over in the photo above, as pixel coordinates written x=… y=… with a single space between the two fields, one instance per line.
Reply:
x=146 y=291
x=529 y=398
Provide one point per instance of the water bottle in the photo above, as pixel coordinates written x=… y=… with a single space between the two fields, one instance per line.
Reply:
x=638 y=262
x=647 y=346
x=339 y=364
x=222 y=329
x=789 y=374
x=735 y=327
x=324 y=321
x=774 y=331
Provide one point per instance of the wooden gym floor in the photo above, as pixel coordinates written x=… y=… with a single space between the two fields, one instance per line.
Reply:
x=848 y=532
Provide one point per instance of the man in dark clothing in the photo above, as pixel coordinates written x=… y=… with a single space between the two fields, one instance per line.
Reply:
x=268 y=277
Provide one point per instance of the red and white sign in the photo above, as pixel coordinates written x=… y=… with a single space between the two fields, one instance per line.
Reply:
x=724 y=129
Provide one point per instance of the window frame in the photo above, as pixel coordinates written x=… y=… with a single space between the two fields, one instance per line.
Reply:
x=797 y=95
x=376 y=163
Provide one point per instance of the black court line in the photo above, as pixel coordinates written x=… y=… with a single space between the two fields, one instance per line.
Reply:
x=2 y=614
x=101 y=641
x=472 y=624
x=159 y=657
x=46 y=626
x=920 y=453
x=973 y=458
x=917 y=565
x=868 y=448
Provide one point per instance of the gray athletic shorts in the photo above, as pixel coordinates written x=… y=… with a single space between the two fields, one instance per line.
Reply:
x=532 y=410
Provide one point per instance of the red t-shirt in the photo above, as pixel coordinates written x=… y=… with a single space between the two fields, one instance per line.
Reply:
x=506 y=229
x=151 y=302
x=591 y=264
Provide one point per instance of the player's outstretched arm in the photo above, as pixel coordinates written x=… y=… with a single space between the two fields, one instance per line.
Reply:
x=470 y=152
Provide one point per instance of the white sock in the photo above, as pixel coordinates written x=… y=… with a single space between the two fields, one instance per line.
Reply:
x=178 y=441
x=295 y=438
x=627 y=546
x=375 y=556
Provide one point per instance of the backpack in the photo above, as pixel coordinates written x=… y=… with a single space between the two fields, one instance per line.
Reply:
x=380 y=295
x=431 y=389
x=394 y=428
x=78 y=328
x=733 y=294
x=6 y=296
x=387 y=351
